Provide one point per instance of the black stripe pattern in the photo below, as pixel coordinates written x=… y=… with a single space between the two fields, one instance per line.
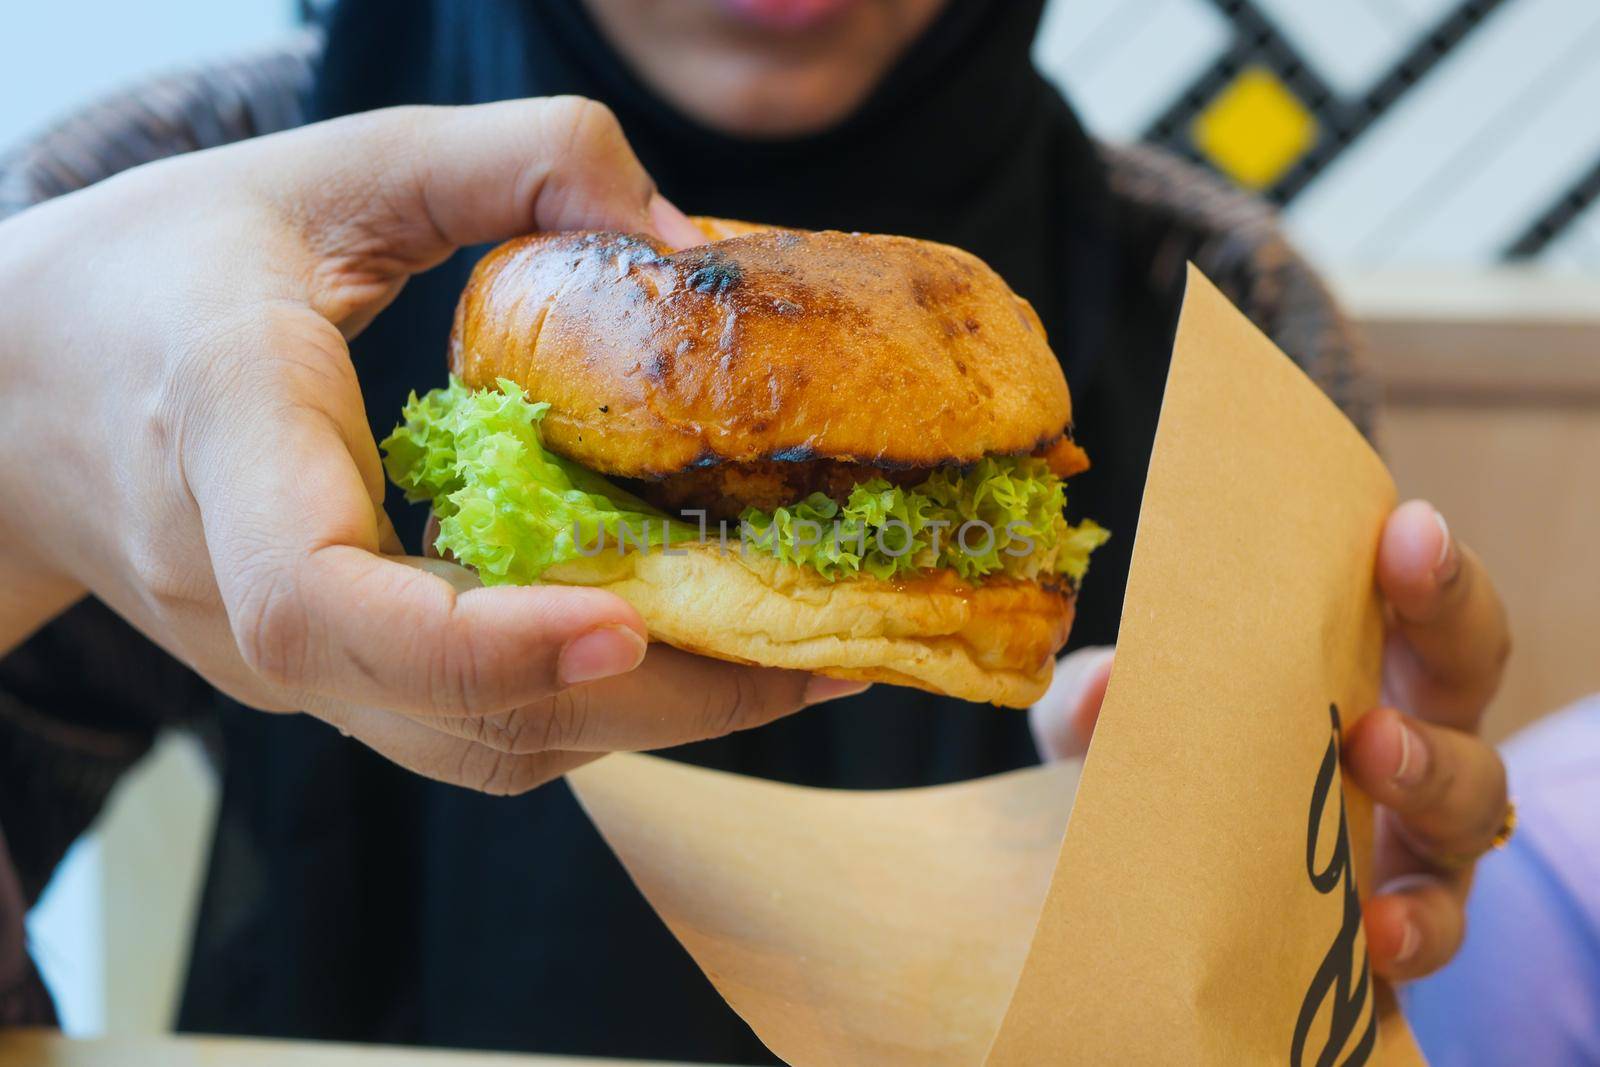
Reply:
x=1554 y=220
x=1340 y=120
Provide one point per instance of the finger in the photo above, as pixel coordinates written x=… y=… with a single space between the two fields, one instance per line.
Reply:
x=430 y=180
x=315 y=610
x=1063 y=719
x=1415 y=925
x=1452 y=627
x=1446 y=789
x=310 y=361
x=388 y=539
x=557 y=163
x=672 y=699
x=672 y=225
x=446 y=758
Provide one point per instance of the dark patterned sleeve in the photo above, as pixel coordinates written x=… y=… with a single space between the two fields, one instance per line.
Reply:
x=83 y=699
x=181 y=112
x=1175 y=213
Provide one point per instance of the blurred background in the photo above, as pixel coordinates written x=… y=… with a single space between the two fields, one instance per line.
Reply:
x=1438 y=159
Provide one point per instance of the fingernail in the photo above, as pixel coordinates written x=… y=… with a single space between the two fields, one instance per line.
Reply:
x=1410 y=941
x=673 y=225
x=602 y=653
x=1414 y=757
x=821 y=688
x=1444 y=568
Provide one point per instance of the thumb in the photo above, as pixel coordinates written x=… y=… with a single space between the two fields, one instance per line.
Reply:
x=294 y=536
x=1063 y=719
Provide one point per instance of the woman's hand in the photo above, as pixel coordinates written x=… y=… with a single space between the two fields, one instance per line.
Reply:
x=1063 y=719
x=1441 y=789
x=184 y=437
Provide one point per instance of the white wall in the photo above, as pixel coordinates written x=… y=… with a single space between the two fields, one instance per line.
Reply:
x=1452 y=171
x=58 y=54
x=111 y=932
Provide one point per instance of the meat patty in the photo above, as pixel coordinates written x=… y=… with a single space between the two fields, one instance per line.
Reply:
x=725 y=490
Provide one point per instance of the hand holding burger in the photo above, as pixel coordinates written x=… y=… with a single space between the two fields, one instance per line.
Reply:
x=185 y=439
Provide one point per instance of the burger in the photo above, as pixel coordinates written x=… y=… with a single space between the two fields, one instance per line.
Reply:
x=835 y=452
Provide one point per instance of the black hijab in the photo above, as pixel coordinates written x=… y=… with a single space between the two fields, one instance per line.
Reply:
x=347 y=899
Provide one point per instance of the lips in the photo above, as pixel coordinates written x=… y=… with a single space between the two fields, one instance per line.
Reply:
x=785 y=14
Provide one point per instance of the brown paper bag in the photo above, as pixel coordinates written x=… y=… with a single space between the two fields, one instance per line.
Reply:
x=1202 y=906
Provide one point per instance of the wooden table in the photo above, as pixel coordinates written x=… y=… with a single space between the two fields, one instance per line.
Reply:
x=46 y=1048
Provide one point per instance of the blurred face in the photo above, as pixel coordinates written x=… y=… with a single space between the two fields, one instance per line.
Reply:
x=763 y=68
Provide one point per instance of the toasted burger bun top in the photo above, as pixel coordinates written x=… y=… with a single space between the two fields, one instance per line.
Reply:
x=767 y=344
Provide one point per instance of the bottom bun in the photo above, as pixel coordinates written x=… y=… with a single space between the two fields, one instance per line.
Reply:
x=994 y=642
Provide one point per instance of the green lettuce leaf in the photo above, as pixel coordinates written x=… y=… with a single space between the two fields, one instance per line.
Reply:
x=1002 y=515
x=511 y=509
x=507 y=506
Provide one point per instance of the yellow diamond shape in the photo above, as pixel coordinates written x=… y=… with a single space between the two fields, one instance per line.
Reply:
x=1255 y=129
